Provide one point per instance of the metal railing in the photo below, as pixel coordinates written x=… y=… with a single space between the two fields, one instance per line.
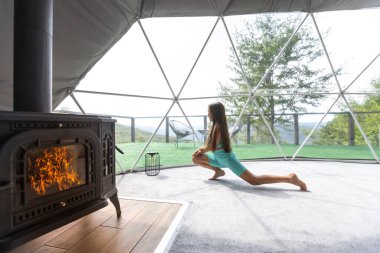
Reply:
x=249 y=125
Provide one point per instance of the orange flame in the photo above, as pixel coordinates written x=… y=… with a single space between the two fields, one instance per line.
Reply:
x=53 y=168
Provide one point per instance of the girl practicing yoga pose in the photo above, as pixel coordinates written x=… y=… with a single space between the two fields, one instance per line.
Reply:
x=221 y=155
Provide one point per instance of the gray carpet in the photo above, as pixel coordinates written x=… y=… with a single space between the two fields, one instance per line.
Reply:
x=340 y=213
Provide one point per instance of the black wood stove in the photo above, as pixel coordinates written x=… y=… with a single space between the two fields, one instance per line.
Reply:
x=54 y=168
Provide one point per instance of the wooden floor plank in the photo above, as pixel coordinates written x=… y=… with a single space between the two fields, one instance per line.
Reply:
x=33 y=245
x=71 y=236
x=131 y=234
x=140 y=229
x=123 y=205
x=156 y=232
x=129 y=211
x=94 y=241
x=48 y=249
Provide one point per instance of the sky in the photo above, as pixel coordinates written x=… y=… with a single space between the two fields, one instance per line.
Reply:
x=129 y=67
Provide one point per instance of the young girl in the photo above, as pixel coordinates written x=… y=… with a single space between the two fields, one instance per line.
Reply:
x=218 y=142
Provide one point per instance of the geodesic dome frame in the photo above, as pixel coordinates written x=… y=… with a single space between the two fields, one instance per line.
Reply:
x=85 y=30
x=253 y=92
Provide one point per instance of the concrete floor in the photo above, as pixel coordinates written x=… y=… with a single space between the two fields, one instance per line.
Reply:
x=340 y=213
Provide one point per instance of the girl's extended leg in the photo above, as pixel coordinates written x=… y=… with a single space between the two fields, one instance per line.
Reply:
x=202 y=160
x=239 y=169
x=270 y=179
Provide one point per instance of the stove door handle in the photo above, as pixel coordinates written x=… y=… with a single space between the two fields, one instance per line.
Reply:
x=5 y=186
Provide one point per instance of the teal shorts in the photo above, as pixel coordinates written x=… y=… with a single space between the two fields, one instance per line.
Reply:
x=221 y=159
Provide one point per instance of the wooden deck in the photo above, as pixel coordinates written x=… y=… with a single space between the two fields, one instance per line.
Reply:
x=141 y=228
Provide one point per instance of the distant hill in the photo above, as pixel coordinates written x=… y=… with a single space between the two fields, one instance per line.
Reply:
x=287 y=133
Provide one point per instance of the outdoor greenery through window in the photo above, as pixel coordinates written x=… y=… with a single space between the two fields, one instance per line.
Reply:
x=295 y=85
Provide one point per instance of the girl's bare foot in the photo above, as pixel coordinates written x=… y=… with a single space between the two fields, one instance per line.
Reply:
x=296 y=181
x=218 y=173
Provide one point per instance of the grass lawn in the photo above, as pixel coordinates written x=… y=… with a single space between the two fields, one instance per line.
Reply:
x=171 y=156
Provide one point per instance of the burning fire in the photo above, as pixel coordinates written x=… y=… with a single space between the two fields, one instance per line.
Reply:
x=53 y=168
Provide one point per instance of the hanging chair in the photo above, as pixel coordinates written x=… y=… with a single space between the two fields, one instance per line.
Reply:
x=180 y=129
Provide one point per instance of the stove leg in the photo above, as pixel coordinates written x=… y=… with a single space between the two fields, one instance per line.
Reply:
x=115 y=201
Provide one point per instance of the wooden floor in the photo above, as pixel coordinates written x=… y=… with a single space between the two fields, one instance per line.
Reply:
x=140 y=229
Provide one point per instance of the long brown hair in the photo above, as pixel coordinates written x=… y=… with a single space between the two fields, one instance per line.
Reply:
x=218 y=118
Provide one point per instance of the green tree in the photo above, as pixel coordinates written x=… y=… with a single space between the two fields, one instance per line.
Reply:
x=335 y=132
x=257 y=46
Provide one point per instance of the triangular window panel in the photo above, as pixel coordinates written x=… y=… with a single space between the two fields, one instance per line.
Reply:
x=179 y=142
x=129 y=67
x=142 y=126
x=321 y=143
x=177 y=43
x=366 y=80
x=288 y=110
x=259 y=129
x=211 y=72
x=351 y=39
x=334 y=138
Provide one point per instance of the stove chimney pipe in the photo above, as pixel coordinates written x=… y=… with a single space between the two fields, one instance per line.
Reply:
x=33 y=46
